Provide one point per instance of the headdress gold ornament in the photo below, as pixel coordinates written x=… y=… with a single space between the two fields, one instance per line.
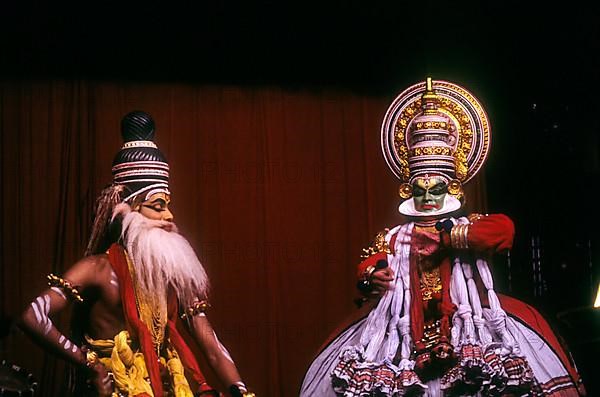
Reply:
x=405 y=191
x=435 y=128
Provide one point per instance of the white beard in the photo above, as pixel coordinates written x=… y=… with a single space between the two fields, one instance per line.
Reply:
x=161 y=258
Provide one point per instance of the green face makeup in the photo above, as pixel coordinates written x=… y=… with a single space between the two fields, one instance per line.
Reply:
x=429 y=193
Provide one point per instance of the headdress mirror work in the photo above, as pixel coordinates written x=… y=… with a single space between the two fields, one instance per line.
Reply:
x=435 y=127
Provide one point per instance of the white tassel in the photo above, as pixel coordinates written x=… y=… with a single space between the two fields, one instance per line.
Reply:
x=406 y=348
x=373 y=338
x=482 y=333
x=393 y=327
x=464 y=308
x=495 y=316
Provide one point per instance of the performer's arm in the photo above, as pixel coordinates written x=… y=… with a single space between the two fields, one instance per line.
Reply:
x=36 y=320
x=485 y=233
x=217 y=355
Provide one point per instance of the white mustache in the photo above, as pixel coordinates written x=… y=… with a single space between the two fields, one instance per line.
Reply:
x=162 y=258
x=124 y=209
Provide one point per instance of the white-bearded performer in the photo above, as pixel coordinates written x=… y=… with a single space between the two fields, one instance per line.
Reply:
x=137 y=278
x=437 y=327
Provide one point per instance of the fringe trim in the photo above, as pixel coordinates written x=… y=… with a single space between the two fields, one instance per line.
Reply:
x=489 y=373
x=353 y=377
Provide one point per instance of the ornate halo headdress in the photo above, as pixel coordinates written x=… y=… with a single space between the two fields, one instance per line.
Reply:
x=435 y=128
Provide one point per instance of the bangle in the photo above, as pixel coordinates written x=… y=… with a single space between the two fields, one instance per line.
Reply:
x=241 y=387
x=465 y=233
x=368 y=273
x=238 y=389
x=453 y=240
x=459 y=236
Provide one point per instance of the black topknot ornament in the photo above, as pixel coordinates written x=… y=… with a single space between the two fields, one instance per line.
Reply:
x=137 y=130
x=139 y=165
x=137 y=126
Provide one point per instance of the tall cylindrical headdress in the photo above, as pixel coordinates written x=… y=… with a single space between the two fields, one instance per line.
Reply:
x=435 y=128
x=139 y=168
x=139 y=165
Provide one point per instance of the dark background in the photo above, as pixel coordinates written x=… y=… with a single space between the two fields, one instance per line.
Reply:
x=534 y=67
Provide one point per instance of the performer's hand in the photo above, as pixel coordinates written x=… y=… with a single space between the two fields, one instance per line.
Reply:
x=101 y=380
x=381 y=280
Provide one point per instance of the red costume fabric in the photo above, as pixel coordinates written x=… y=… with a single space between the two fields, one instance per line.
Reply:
x=137 y=328
x=491 y=233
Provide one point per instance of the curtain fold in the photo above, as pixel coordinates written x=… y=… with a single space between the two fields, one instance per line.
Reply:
x=277 y=189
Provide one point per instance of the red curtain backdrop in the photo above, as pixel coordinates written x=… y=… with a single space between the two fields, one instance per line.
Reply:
x=277 y=189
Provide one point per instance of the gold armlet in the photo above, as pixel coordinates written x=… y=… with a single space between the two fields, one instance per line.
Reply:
x=65 y=286
x=196 y=309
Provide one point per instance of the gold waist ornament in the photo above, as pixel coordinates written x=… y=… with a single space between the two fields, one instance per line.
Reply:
x=129 y=370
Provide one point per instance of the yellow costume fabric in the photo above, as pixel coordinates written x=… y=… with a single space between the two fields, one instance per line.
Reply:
x=129 y=368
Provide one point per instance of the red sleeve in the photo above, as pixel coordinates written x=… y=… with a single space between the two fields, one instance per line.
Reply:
x=370 y=261
x=491 y=233
x=377 y=256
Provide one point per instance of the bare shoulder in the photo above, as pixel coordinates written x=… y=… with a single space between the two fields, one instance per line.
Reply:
x=90 y=270
x=98 y=262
